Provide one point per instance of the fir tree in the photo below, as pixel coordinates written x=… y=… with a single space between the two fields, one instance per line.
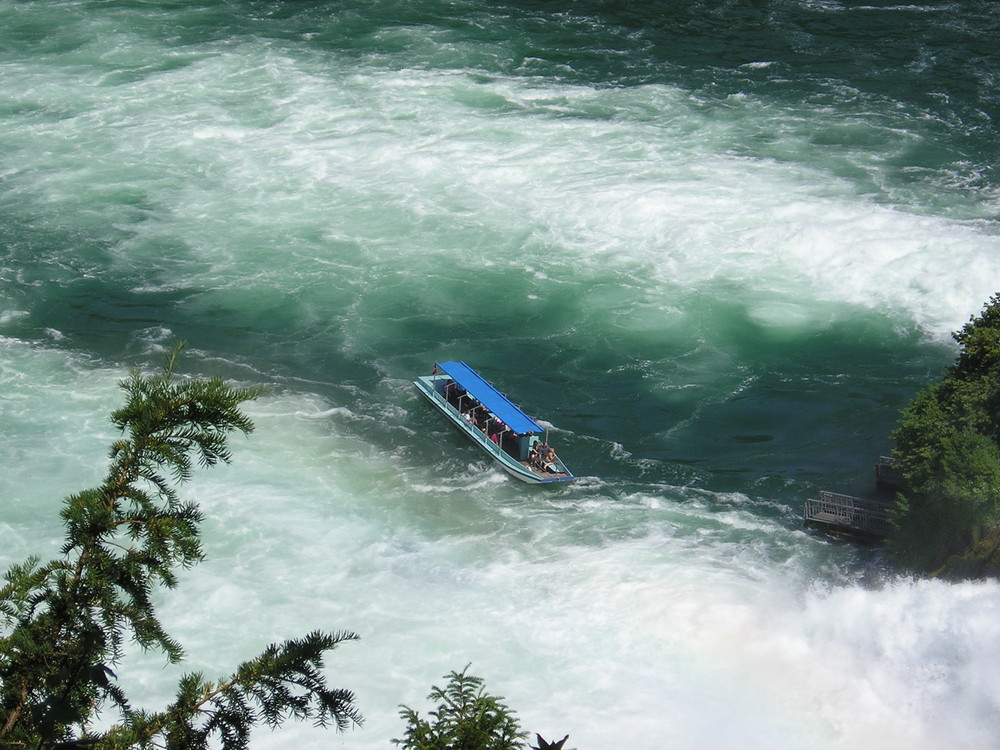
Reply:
x=64 y=624
x=466 y=718
x=543 y=744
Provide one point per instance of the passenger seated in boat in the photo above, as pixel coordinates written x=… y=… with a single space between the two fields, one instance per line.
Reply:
x=539 y=454
x=491 y=425
x=546 y=457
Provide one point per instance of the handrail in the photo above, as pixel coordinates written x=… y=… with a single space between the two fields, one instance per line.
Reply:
x=848 y=513
x=476 y=433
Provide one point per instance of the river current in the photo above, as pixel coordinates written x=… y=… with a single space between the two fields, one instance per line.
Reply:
x=714 y=247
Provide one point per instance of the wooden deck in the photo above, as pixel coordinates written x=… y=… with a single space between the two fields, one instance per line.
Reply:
x=848 y=515
x=541 y=472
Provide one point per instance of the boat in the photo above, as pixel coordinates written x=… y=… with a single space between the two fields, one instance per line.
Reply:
x=488 y=418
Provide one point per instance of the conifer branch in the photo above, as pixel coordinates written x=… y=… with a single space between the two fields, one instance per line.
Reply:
x=63 y=625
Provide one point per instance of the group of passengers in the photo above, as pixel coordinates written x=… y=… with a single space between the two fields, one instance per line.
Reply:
x=474 y=412
x=541 y=456
x=480 y=417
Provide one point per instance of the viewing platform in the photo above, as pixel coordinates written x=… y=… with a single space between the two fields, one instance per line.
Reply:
x=848 y=515
x=858 y=516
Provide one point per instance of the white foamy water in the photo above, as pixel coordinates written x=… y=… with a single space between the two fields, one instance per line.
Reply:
x=323 y=219
x=313 y=171
x=658 y=619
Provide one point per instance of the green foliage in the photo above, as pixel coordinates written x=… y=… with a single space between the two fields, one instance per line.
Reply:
x=63 y=624
x=947 y=450
x=544 y=745
x=466 y=718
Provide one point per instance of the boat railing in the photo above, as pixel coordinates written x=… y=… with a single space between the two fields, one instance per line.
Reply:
x=471 y=429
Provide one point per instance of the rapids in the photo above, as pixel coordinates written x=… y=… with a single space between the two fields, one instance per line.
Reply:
x=715 y=248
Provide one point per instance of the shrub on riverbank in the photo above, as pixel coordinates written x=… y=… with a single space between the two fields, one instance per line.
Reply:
x=948 y=451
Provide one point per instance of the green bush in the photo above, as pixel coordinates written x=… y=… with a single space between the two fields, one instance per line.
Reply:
x=466 y=718
x=947 y=450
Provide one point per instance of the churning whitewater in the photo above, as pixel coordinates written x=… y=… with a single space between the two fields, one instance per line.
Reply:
x=717 y=248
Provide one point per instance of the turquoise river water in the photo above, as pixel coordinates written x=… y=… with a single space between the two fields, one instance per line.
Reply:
x=715 y=247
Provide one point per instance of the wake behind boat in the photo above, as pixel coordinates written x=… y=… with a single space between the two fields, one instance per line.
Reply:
x=493 y=423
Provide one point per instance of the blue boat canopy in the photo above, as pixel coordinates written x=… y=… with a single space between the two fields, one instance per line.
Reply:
x=490 y=397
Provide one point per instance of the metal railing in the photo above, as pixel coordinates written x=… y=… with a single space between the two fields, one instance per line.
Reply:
x=477 y=434
x=847 y=513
